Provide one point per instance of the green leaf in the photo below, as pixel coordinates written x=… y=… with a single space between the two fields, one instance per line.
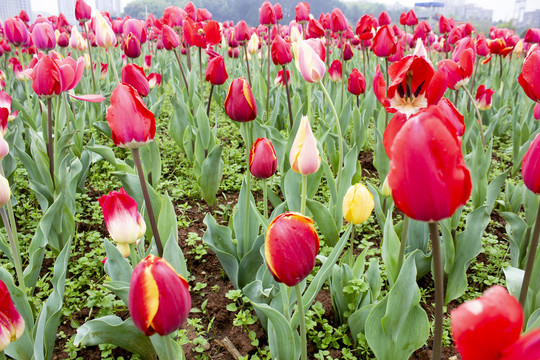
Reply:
x=390 y=250
x=212 y=170
x=280 y=334
x=324 y=221
x=116 y=266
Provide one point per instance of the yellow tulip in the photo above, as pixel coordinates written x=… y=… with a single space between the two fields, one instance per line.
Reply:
x=357 y=204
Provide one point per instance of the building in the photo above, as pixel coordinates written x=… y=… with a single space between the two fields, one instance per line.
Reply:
x=531 y=19
x=67 y=7
x=114 y=7
x=13 y=7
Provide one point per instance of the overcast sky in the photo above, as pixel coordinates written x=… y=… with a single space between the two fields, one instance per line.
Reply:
x=503 y=9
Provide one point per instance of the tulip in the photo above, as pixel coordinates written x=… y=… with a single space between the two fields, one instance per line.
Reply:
x=47 y=77
x=304 y=156
x=135 y=27
x=63 y=40
x=428 y=176
x=529 y=78
x=365 y=27
x=314 y=29
x=384 y=43
x=482 y=48
x=529 y=169
x=536 y=111
x=170 y=38
x=216 y=73
x=147 y=64
x=301 y=12
x=281 y=80
x=347 y=52
x=76 y=41
x=240 y=104
x=159 y=299
x=262 y=159
x=458 y=74
x=357 y=83
x=527 y=347
x=12 y=324
x=446 y=24
x=410 y=19
x=242 y=32
x=281 y=51
x=15 y=31
x=103 y=73
x=154 y=79
x=197 y=34
x=132 y=124
x=191 y=11
x=174 y=16
x=83 y=11
x=43 y=36
x=4 y=148
x=279 y=11
x=5 y=190
x=338 y=21
x=134 y=75
x=267 y=15
x=291 y=245
x=71 y=70
x=124 y=223
x=483 y=328
x=483 y=97
x=335 y=71
x=384 y=19
x=308 y=62
x=105 y=36
x=253 y=43
x=5 y=111
x=203 y=15
x=358 y=204
x=132 y=46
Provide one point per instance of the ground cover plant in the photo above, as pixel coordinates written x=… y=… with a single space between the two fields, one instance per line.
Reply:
x=180 y=188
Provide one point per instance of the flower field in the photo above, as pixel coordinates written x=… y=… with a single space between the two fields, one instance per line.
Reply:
x=178 y=187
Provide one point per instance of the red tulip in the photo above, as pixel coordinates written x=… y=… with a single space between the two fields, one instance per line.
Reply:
x=239 y=104
x=63 y=40
x=446 y=24
x=280 y=51
x=124 y=223
x=154 y=79
x=132 y=46
x=498 y=46
x=267 y=15
x=421 y=31
x=483 y=97
x=338 y=21
x=132 y=124
x=191 y=11
x=529 y=79
x=203 y=15
x=384 y=43
x=136 y=27
x=410 y=19
x=529 y=168
x=536 y=111
x=301 y=12
x=347 y=52
x=170 y=38
x=428 y=176
x=174 y=16
x=527 y=347
x=314 y=29
x=483 y=328
x=233 y=53
x=23 y=15
x=458 y=74
x=384 y=18
x=216 y=73
x=403 y=18
x=15 y=31
x=335 y=71
x=357 y=83
x=159 y=299
x=83 y=11
x=5 y=111
x=12 y=323
x=291 y=245
x=134 y=75
x=202 y=35
x=43 y=36
x=47 y=77
x=262 y=159
x=532 y=36
x=279 y=11
x=242 y=32
x=365 y=27
x=281 y=80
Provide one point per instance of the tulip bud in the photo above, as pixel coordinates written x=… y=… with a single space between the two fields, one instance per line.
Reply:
x=46 y=77
x=304 y=156
x=253 y=44
x=239 y=104
x=347 y=52
x=302 y=12
x=124 y=223
x=216 y=73
x=105 y=36
x=63 y=40
x=291 y=245
x=83 y=11
x=15 y=31
x=338 y=22
x=335 y=71
x=43 y=36
x=132 y=46
x=308 y=62
x=5 y=191
x=103 y=73
x=384 y=43
x=159 y=299
x=262 y=159
x=357 y=204
x=386 y=191
x=357 y=83
x=147 y=64
x=536 y=111
x=12 y=325
x=483 y=97
x=4 y=147
x=280 y=79
x=280 y=51
x=267 y=15
x=279 y=11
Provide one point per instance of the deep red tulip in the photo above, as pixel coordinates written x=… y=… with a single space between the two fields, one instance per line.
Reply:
x=174 y=16
x=291 y=245
x=134 y=75
x=314 y=29
x=482 y=48
x=483 y=97
x=446 y=24
x=262 y=159
x=301 y=12
x=384 y=42
x=83 y=11
x=201 y=35
x=46 y=77
x=203 y=15
x=136 y=27
x=403 y=18
x=483 y=328
x=12 y=324
x=428 y=176
x=15 y=31
x=191 y=10
x=529 y=79
x=132 y=124
x=279 y=11
x=170 y=38
x=159 y=299
x=242 y=32
x=421 y=31
x=410 y=19
x=365 y=27
x=23 y=15
x=267 y=15
x=455 y=35
x=347 y=52
x=536 y=111
x=458 y=74
x=63 y=40
x=335 y=71
x=324 y=19
x=132 y=46
x=240 y=104
x=43 y=36
x=233 y=53
x=384 y=18
x=357 y=83
x=280 y=51
x=338 y=21
x=532 y=36
x=216 y=73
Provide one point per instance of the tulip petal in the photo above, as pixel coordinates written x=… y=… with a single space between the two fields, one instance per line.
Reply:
x=143 y=299
x=95 y=98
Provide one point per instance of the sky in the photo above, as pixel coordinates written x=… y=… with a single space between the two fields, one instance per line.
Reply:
x=503 y=9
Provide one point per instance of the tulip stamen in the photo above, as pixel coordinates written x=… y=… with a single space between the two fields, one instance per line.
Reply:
x=400 y=90
x=418 y=89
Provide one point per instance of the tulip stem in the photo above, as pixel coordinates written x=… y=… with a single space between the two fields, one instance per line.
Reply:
x=288 y=97
x=530 y=261
x=265 y=199
x=478 y=115
x=245 y=247
x=340 y=137
x=300 y=307
x=388 y=85
x=111 y=61
x=14 y=251
x=309 y=101
x=209 y=101
x=182 y=71
x=439 y=290
x=90 y=55
x=200 y=71
x=50 y=152
x=268 y=74
x=167 y=339
x=144 y=188
x=403 y=245
x=247 y=64
x=304 y=191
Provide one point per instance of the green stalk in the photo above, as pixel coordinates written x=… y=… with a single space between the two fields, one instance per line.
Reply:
x=167 y=339
x=403 y=244
x=50 y=151
x=268 y=74
x=304 y=191
x=247 y=64
x=111 y=63
x=288 y=97
x=340 y=137
x=478 y=115
x=182 y=71
x=248 y=190
x=90 y=55
x=265 y=199
x=209 y=101
x=439 y=289
x=530 y=261
x=14 y=251
x=300 y=307
x=309 y=101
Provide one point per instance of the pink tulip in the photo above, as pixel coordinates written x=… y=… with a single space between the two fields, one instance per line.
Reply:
x=304 y=156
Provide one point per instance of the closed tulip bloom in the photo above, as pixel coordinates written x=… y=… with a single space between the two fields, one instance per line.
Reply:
x=63 y=40
x=216 y=73
x=459 y=73
x=15 y=31
x=83 y=11
x=280 y=51
x=291 y=246
x=446 y=24
x=46 y=77
x=132 y=124
x=529 y=79
x=174 y=17
x=536 y=111
x=132 y=46
x=5 y=191
x=483 y=97
x=242 y=32
x=43 y=36
x=159 y=299
x=529 y=168
x=135 y=27
x=105 y=36
x=483 y=328
x=304 y=156
x=301 y=12
x=103 y=72
x=240 y=104
x=134 y=75
x=203 y=15
x=314 y=29
x=308 y=62
x=384 y=19
x=279 y=11
x=347 y=52
x=124 y=223
x=411 y=19
x=12 y=323
x=170 y=38
x=253 y=43
x=384 y=42
x=335 y=71
x=428 y=176
x=267 y=15
x=357 y=83
x=338 y=21
x=358 y=204
x=262 y=159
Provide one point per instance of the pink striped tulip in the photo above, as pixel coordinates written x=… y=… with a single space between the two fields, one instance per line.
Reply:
x=308 y=62
x=11 y=322
x=304 y=156
x=105 y=36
